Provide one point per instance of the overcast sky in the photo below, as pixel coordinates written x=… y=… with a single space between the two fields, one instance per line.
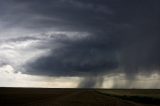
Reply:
x=80 y=43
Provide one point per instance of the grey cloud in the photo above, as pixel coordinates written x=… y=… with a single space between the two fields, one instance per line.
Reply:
x=3 y=62
x=130 y=42
x=60 y=15
x=77 y=57
x=123 y=35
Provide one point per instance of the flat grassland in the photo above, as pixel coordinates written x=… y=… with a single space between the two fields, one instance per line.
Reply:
x=78 y=97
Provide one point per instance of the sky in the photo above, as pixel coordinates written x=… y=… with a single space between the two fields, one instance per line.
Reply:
x=80 y=43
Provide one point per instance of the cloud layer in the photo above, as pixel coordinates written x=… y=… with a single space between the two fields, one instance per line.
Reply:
x=81 y=38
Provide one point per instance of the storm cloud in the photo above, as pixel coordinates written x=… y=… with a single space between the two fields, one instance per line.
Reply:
x=95 y=37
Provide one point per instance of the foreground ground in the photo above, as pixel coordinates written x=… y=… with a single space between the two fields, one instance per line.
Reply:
x=78 y=97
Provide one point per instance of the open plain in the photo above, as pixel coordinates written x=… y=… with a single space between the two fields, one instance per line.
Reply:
x=78 y=97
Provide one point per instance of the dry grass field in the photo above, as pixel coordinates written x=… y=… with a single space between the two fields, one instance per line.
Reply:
x=77 y=97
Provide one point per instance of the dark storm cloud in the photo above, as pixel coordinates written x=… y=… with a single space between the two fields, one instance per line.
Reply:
x=78 y=57
x=123 y=34
x=59 y=14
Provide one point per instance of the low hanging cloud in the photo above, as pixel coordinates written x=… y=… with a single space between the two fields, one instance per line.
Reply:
x=80 y=57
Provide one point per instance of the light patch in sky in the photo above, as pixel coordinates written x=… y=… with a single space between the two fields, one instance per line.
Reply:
x=9 y=78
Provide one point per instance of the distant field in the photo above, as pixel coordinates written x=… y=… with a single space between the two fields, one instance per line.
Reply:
x=146 y=96
x=155 y=93
x=77 y=97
